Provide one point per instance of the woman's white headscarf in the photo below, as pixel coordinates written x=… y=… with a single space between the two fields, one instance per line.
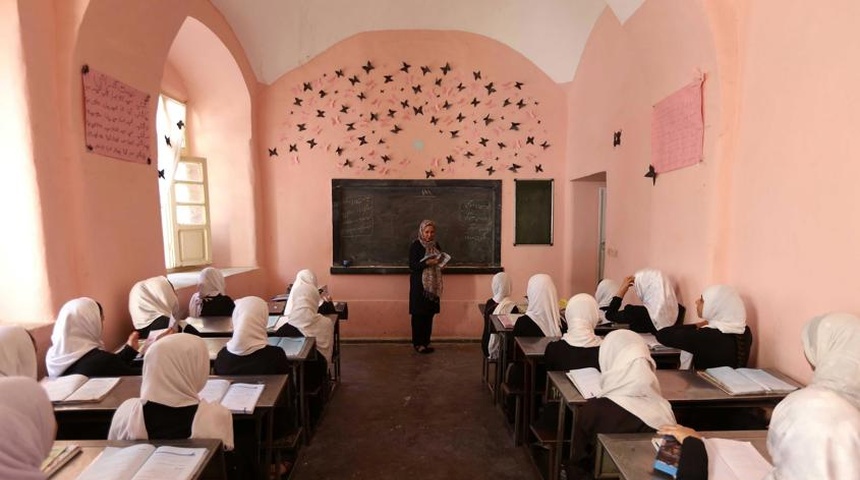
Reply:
x=209 y=284
x=78 y=330
x=250 y=318
x=150 y=299
x=502 y=293
x=175 y=369
x=814 y=434
x=28 y=428
x=17 y=354
x=582 y=316
x=658 y=296
x=543 y=304
x=627 y=378
x=724 y=309
x=606 y=289
x=832 y=345
x=301 y=312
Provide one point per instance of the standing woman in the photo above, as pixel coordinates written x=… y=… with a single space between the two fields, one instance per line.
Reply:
x=425 y=285
x=151 y=303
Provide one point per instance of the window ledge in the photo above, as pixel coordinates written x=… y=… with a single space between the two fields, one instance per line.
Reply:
x=189 y=279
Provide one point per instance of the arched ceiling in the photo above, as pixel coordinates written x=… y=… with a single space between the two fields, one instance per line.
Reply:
x=279 y=35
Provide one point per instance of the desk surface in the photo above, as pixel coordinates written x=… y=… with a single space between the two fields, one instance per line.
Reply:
x=680 y=387
x=223 y=326
x=536 y=346
x=129 y=387
x=633 y=454
x=215 y=344
x=90 y=449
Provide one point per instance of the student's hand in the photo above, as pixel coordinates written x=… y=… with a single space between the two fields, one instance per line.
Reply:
x=625 y=284
x=680 y=432
x=133 y=340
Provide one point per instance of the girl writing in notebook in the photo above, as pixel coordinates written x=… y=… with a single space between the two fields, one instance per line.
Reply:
x=28 y=428
x=815 y=431
x=77 y=345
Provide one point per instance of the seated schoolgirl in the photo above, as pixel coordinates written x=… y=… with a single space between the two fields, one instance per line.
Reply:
x=248 y=352
x=542 y=318
x=77 y=345
x=579 y=347
x=175 y=370
x=815 y=431
x=302 y=313
x=17 y=352
x=660 y=308
x=498 y=304
x=723 y=339
x=152 y=303
x=630 y=399
x=28 y=428
x=210 y=300
x=605 y=291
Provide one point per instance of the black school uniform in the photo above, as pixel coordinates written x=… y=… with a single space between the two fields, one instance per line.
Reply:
x=99 y=363
x=159 y=323
x=217 y=306
x=421 y=307
x=560 y=355
x=269 y=360
x=693 y=464
x=515 y=376
x=709 y=346
x=598 y=415
x=636 y=315
x=526 y=327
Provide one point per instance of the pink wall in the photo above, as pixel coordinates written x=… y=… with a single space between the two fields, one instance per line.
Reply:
x=298 y=184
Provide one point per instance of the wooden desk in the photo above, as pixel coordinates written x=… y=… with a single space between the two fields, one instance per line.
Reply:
x=500 y=326
x=96 y=416
x=631 y=455
x=680 y=387
x=212 y=467
x=533 y=350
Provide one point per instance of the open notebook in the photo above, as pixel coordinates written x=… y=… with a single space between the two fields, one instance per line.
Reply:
x=290 y=345
x=77 y=388
x=145 y=462
x=745 y=381
x=586 y=380
x=237 y=397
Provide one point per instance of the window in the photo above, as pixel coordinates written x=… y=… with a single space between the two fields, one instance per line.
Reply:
x=183 y=191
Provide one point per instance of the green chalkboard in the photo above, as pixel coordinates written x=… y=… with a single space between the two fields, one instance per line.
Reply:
x=375 y=221
x=533 y=212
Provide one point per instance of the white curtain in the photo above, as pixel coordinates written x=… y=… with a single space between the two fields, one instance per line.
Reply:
x=168 y=160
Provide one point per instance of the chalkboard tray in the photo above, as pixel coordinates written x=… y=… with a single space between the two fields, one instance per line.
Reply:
x=375 y=221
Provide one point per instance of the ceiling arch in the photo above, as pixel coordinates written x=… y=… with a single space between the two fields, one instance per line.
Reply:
x=280 y=35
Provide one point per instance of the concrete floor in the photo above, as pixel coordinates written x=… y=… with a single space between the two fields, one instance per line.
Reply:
x=401 y=415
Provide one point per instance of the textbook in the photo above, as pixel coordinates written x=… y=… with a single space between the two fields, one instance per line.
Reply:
x=668 y=456
x=443 y=257
x=745 y=381
x=734 y=460
x=237 y=397
x=58 y=457
x=290 y=345
x=77 y=388
x=145 y=462
x=586 y=380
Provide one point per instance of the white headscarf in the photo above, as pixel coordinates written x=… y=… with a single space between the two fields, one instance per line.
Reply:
x=28 y=428
x=301 y=312
x=724 y=309
x=17 y=354
x=78 y=330
x=627 y=378
x=502 y=293
x=210 y=283
x=175 y=369
x=832 y=345
x=606 y=289
x=814 y=434
x=150 y=299
x=250 y=318
x=658 y=296
x=543 y=304
x=582 y=316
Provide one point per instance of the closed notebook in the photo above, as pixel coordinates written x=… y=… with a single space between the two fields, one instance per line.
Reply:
x=145 y=462
x=236 y=397
x=78 y=388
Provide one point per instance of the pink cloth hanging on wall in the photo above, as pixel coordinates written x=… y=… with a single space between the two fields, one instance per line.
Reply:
x=677 y=129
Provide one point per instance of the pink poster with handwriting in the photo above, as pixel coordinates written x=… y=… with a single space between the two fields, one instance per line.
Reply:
x=117 y=118
x=677 y=129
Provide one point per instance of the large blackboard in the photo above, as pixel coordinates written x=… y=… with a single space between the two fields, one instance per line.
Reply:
x=375 y=221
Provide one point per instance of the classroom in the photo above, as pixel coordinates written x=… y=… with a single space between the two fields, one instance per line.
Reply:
x=283 y=98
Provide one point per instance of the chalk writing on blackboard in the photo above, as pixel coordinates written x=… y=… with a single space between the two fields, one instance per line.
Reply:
x=116 y=118
x=357 y=218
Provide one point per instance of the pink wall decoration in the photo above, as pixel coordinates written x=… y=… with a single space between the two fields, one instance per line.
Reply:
x=116 y=117
x=677 y=129
x=373 y=114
